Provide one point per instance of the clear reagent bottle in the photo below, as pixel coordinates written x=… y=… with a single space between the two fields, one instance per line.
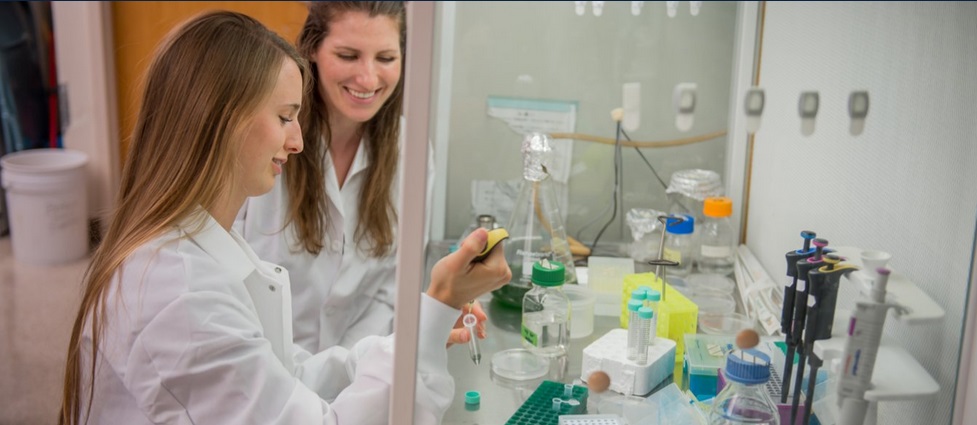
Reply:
x=717 y=244
x=679 y=244
x=744 y=399
x=546 y=311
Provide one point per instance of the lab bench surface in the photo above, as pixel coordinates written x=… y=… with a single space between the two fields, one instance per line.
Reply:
x=500 y=397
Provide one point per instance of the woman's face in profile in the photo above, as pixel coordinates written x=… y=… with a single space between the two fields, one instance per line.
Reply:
x=272 y=134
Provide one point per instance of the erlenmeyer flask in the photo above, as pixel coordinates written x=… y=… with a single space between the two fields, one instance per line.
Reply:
x=535 y=228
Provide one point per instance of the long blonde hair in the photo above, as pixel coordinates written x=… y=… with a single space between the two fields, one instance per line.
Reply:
x=203 y=86
x=305 y=180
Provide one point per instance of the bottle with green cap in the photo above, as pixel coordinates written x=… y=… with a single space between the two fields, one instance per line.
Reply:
x=546 y=311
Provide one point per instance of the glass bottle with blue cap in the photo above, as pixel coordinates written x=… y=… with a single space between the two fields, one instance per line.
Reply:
x=744 y=399
x=679 y=245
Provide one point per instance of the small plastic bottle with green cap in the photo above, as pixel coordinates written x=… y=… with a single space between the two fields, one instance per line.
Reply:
x=546 y=311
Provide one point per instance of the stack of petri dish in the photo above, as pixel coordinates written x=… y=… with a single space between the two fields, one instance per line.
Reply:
x=713 y=293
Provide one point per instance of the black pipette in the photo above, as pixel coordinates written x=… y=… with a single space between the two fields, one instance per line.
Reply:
x=795 y=343
x=823 y=292
x=787 y=315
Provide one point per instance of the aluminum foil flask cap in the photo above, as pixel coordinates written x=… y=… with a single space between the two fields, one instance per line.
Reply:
x=537 y=150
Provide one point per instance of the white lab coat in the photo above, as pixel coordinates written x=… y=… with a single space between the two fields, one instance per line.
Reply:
x=343 y=294
x=198 y=331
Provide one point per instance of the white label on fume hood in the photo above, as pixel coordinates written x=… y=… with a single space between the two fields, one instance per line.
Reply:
x=544 y=116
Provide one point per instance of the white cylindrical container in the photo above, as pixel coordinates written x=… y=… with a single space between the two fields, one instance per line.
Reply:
x=47 y=202
x=654 y=299
x=645 y=315
x=635 y=342
x=581 y=310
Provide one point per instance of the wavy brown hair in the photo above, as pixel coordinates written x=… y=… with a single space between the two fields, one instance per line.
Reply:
x=200 y=92
x=305 y=180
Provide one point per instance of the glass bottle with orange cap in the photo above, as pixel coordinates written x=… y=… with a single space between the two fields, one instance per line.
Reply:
x=717 y=244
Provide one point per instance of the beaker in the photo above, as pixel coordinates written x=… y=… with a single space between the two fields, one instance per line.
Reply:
x=536 y=229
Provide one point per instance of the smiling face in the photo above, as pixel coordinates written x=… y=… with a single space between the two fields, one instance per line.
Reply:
x=272 y=134
x=358 y=65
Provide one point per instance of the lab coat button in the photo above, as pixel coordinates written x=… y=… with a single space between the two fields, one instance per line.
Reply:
x=278 y=269
x=271 y=288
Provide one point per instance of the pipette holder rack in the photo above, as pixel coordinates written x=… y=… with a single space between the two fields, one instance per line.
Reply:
x=609 y=354
x=917 y=306
x=538 y=408
x=897 y=375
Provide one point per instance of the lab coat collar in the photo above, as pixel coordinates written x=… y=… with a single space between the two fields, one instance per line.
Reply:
x=360 y=162
x=227 y=248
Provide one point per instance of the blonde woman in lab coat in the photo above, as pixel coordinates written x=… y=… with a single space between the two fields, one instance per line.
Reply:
x=331 y=220
x=180 y=322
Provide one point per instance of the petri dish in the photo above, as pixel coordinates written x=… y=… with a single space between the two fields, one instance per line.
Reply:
x=519 y=364
x=679 y=284
x=719 y=304
x=703 y=283
x=724 y=323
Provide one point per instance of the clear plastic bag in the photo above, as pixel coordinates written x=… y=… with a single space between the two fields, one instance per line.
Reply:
x=646 y=232
x=687 y=190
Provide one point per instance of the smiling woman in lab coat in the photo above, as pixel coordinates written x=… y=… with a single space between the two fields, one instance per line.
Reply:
x=331 y=221
x=180 y=322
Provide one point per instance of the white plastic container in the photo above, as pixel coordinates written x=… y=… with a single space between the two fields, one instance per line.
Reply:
x=581 y=310
x=47 y=203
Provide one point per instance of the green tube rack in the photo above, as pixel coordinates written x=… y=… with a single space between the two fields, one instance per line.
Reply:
x=538 y=408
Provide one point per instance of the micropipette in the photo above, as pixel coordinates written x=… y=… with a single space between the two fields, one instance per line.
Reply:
x=494 y=237
x=823 y=297
x=790 y=291
x=795 y=344
x=470 y=321
x=861 y=350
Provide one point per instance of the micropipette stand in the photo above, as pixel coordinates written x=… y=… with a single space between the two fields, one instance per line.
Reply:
x=795 y=344
x=787 y=315
x=897 y=375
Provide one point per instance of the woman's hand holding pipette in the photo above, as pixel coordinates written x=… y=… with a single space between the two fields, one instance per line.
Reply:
x=459 y=335
x=456 y=280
